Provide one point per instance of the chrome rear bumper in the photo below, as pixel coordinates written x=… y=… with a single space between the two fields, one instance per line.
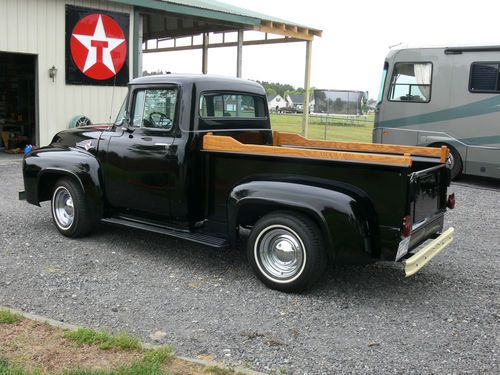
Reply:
x=423 y=256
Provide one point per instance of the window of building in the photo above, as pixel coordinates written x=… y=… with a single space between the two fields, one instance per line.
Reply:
x=231 y=105
x=411 y=82
x=485 y=77
x=155 y=108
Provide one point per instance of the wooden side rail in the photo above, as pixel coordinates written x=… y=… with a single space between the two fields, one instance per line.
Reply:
x=224 y=143
x=290 y=139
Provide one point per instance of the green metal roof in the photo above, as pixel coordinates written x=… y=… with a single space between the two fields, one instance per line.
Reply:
x=230 y=9
x=213 y=10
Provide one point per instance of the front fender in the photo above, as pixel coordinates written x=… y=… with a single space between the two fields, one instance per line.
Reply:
x=343 y=217
x=43 y=166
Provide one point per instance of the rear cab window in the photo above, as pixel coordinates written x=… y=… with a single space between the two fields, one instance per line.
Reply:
x=231 y=106
x=411 y=82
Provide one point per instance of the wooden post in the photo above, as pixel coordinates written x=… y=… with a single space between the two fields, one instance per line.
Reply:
x=137 y=45
x=204 y=58
x=239 y=53
x=307 y=88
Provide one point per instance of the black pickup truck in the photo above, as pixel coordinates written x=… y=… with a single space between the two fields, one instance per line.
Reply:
x=194 y=157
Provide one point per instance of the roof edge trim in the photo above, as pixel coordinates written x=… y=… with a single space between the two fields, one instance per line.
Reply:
x=191 y=11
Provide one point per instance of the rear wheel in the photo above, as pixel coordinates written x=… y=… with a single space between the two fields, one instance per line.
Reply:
x=286 y=251
x=70 y=209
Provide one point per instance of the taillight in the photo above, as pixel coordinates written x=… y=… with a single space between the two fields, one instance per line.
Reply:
x=451 y=201
x=406 y=226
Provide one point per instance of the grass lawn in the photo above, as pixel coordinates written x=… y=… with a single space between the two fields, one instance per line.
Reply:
x=345 y=129
x=32 y=348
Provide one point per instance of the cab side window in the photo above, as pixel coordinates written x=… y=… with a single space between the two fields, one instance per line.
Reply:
x=155 y=108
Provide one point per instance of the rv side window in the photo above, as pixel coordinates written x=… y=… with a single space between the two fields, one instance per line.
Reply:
x=485 y=77
x=411 y=82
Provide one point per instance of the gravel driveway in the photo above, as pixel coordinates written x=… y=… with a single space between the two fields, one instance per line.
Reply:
x=360 y=320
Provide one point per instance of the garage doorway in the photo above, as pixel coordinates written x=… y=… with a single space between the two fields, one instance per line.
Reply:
x=18 y=119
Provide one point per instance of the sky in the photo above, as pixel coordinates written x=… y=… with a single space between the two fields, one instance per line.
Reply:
x=356 y=38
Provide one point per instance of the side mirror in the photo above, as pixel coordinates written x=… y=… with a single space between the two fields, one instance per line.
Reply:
x=126 y=124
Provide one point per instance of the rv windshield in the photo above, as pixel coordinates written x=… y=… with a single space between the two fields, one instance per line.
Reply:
x=411 y=82
x=382 y=83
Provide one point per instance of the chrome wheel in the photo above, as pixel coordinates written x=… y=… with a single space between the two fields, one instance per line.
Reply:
x=280 y=253
x=450 y=161
x=62 y=208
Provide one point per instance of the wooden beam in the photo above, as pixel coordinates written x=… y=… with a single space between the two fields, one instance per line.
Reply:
x=445 y=153
x=281 y=30
x=187 y=32
x=307 y=88
x=291 y=139
x=226 y=44
x=228 y=144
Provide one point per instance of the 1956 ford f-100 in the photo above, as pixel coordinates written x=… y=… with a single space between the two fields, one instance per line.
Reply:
x=194 y=157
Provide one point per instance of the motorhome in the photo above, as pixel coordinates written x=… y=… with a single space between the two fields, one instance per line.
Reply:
x=444 y=96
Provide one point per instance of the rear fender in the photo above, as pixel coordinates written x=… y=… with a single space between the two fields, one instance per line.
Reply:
x=342 y=217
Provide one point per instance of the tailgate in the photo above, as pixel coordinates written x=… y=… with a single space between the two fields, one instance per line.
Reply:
x=428 y=197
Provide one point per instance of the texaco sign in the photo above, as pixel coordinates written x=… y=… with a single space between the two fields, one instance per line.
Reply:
x=96 y=47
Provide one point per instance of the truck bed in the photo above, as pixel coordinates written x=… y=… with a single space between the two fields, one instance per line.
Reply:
x=386 y=175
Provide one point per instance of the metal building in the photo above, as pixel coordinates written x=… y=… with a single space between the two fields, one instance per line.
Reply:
x=61 y=58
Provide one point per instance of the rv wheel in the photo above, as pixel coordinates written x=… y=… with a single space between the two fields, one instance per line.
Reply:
x=455 y=163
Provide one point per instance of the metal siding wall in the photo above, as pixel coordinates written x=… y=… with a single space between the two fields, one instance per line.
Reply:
x=38 y=27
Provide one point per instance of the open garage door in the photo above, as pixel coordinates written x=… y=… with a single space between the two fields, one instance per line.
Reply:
x=18 y=120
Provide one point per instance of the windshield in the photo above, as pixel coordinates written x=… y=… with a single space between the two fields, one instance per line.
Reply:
x=121 y=114
x=382 y=84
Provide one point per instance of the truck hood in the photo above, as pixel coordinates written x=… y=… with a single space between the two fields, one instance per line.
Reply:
x=85 y=137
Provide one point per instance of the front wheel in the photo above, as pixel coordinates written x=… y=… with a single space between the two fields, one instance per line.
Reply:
x=285 y=250
x=70 y=209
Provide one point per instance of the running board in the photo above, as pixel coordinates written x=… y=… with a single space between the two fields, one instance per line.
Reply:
x=200 y=238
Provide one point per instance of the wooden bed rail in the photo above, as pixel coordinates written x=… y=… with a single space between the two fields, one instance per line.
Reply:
x=290 y=139
x=224 y=143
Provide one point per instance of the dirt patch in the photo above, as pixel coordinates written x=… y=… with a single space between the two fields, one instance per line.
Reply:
x=39 y=346
x=31 y=345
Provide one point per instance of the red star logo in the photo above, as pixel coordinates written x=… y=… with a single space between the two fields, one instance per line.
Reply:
x=98 y=46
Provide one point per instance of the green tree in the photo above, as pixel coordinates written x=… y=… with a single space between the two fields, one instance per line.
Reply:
x=279 y=88
x=338 y=106
x=270 y=92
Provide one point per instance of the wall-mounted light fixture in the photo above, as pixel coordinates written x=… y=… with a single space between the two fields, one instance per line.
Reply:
x=53 y=73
